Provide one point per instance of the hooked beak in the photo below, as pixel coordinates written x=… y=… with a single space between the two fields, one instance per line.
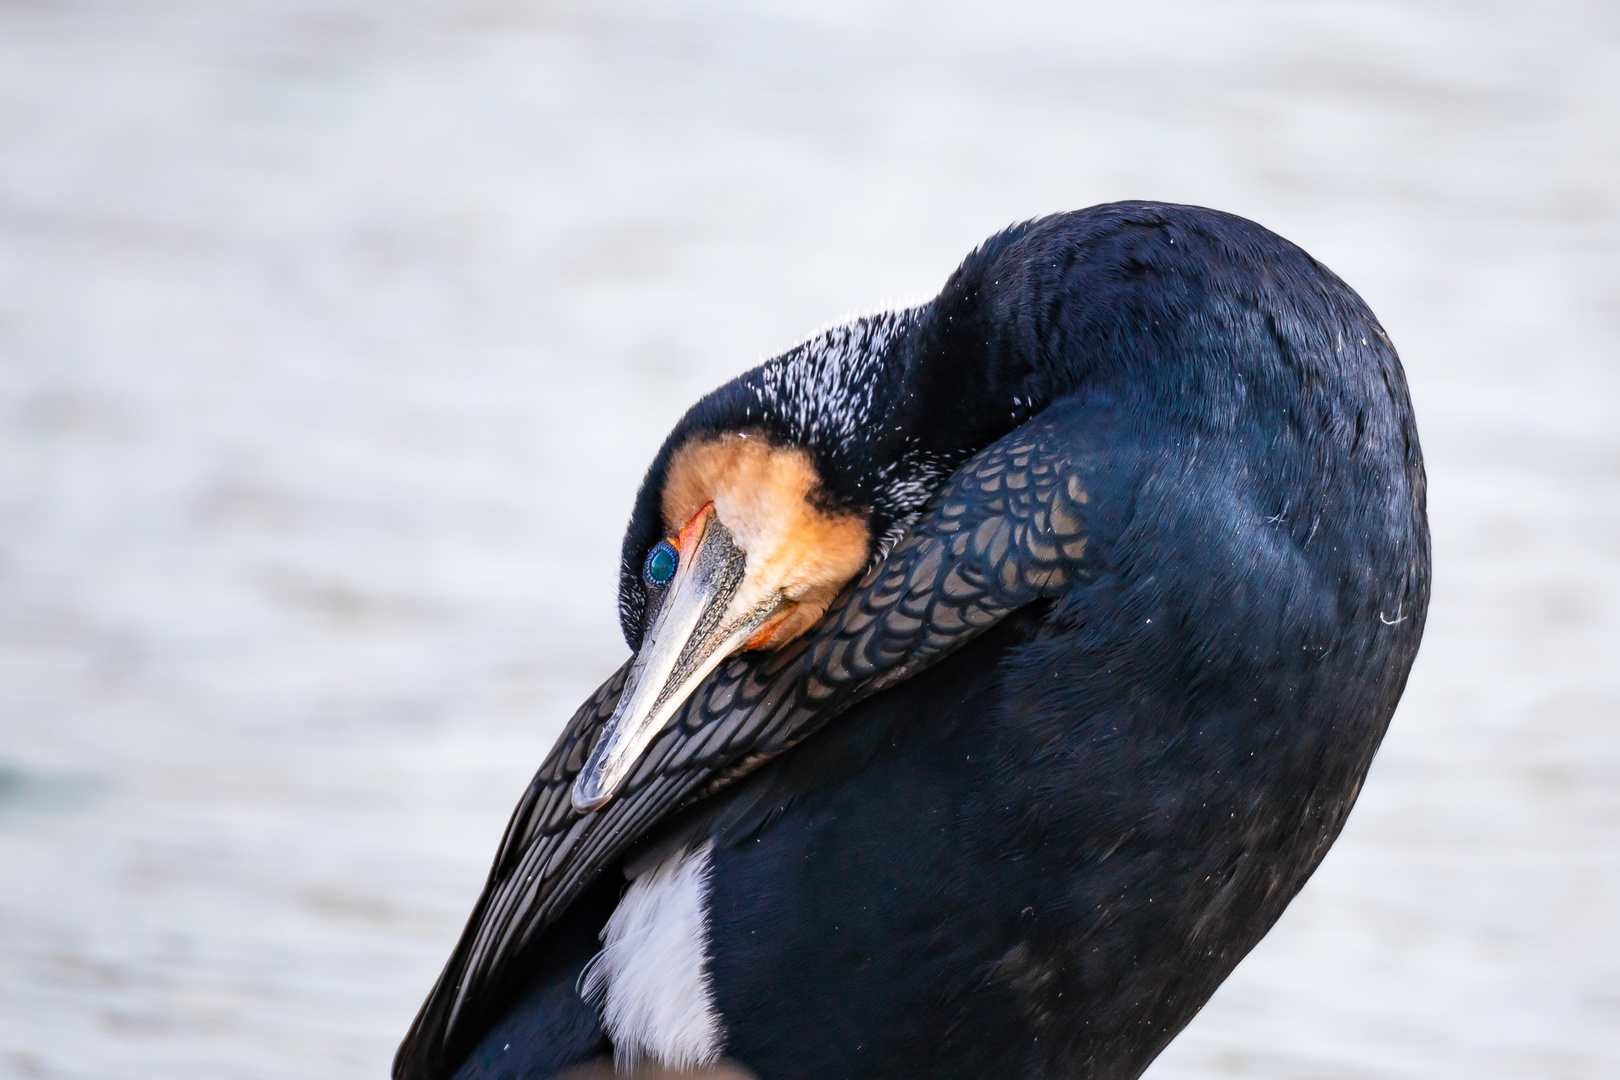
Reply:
x=694 y=631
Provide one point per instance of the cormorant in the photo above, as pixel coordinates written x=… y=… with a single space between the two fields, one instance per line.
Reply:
x=1002 y=668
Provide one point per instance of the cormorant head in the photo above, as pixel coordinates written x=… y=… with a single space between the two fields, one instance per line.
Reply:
x=769 y=497
x=777 y=489
x=753 y=551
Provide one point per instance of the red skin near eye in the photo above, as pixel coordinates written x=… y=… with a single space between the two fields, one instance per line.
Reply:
x=691 y=527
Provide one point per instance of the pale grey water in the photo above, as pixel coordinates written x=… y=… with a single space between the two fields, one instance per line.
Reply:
x=334 y=337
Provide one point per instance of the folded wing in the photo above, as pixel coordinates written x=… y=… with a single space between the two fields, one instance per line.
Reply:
x=1007 y=529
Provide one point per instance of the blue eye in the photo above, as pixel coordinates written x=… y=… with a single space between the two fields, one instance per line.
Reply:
x=661 y=563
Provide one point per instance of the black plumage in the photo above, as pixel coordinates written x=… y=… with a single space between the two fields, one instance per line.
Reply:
x=1148 y=477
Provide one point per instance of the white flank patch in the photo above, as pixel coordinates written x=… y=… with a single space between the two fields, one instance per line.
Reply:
x=651 y=978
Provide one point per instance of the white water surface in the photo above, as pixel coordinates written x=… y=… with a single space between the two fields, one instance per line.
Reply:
x=334 y=338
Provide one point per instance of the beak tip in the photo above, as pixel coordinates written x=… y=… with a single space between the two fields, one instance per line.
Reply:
x=588 y=795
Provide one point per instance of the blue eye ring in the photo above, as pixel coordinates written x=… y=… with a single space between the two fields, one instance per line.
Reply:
x=661 y=563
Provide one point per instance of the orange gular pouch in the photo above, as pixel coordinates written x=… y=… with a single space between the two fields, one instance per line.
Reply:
x=763 y=637
x=769 y=498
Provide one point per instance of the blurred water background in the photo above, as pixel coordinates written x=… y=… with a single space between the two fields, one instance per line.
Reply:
x=334 y=338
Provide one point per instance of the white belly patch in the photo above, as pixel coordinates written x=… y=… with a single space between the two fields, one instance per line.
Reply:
x=651 y=979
